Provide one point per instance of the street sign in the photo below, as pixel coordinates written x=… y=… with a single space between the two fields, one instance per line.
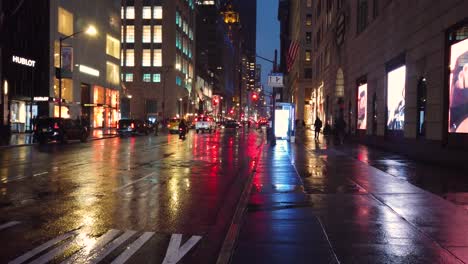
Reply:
x=275 y=80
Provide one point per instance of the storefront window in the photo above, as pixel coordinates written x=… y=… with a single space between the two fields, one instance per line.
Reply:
x=362 y=107
x=65 y=22
x=99 y=96
x=67 y=89
x=396 y=98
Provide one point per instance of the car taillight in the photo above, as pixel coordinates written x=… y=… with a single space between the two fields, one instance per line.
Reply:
x=118 y=126
x=56 y=126
x=168 y=125
x=196 y=119
x=180 y=129
x=132 y=125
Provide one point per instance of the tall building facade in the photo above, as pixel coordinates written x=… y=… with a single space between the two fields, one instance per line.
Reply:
x=32 y=32
x=158 y=51
x=393 y=70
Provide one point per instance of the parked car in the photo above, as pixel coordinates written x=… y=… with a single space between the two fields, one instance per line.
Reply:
x=204 y=123
x=129 y=127
x=173 y=125
x=48 y=129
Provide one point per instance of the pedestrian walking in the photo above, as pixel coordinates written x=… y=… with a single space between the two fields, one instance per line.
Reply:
x=318 y=127
x=340 y=126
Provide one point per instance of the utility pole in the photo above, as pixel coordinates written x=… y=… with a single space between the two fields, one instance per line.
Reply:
x=273 y=136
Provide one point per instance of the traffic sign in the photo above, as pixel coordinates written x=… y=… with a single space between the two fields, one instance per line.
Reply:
x=275 y=80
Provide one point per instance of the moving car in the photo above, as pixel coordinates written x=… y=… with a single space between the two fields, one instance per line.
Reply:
x=231 y=124
x=205 y=123
x=173 y=125
x=59 y=129
x=128 y=127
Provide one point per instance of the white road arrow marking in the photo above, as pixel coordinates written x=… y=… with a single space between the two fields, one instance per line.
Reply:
x=111 y=247
x=134 y=247
x=175 y=252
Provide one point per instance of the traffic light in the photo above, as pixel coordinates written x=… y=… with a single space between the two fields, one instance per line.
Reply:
x=254 y=97
x=216 y=101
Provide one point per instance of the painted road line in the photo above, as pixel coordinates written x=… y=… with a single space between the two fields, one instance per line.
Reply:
x=9 y=224
x=134 y=247
x=41 y=248
x=40 y=173
x=60 y=250
x=100 y=243
x=111 y=247
x=133 y=182
x=175 y=252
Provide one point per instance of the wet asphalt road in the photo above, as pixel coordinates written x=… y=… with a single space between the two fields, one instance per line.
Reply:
x=137 y=200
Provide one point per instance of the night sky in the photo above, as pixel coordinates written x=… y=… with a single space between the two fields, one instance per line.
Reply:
x=267 y=34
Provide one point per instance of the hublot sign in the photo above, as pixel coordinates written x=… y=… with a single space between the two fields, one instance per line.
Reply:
x=23 y=61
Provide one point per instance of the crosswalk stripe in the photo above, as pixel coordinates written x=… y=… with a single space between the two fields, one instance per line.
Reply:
x=100 y=243
x=9 y=224
x=41 y=248
x=53 y=253
x=111 y=247
x=133 y=182
x=134 y=247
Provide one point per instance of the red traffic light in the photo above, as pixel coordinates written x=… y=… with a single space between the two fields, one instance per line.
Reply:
x=216 y=101
x=254 y=97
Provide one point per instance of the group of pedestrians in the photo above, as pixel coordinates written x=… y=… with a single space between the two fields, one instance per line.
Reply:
x=338 y=130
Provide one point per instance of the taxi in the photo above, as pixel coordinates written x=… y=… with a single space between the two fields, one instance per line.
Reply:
x=173 y=125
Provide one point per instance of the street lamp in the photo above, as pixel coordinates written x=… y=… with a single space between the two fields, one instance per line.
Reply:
x=180 y=110
x=90 y=31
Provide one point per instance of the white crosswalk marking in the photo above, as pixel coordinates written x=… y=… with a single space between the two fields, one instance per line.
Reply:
x=53 y=253
x=100 y=243
x=175 y=252
x=110 y=247
x=9 y=224
x=41 y=248
x=134 y=247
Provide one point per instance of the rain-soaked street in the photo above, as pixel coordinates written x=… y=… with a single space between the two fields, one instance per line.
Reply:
x=140 y=199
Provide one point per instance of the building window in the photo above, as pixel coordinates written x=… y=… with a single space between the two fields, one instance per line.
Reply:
x=65 y=22
x=130 y=36
x=396 y=98
x=122 y=56
x=129 y=77
x=113 y=74
x=157 y=77
x=309 y=20
x=146 y=59
x=362 y=15
x=146 y=34
x=178 y=81
x=362 y=106
x=308 y=73
x=112 y=46
x=157 y=34
x=157 y=59
x=130 y=14
x=122 y=12
x=308 y=37
x=130 y=58
x=147 y=77
x=146 y=12
x=158 y=12
x=308 y=55
x=309 y=3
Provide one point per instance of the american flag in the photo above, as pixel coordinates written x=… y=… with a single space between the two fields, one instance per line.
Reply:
x=292 y=54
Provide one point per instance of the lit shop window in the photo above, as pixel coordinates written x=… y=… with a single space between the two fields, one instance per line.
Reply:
x=146 y=59
x=130 y=58
x=157 y=34
x=157 y=77
x=146 y=34
x=158 y=12
x=130 y=12
x=308 y=55
x=112 y=46
x=129 y=77
x=396 y=81
x=147 y=77
x=113 y=73
x=130 y=37
x=157 y=60
x=147 y=12
x=65 y=22
x=67 y=89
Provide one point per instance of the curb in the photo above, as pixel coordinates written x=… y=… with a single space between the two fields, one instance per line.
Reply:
x=34 y=144
x=227 y=249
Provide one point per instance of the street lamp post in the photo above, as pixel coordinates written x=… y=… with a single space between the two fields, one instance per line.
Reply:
x=91 y=31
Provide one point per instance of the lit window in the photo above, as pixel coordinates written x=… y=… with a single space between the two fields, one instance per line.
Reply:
x=157 y=34
x=178 y=80
x=122 y=57
x=65 y=22
x=112 y=46
x=146 y=34
x=147 y=77
x=122 y=12
x=147 y=12
x=157 y=77
x=129 y=77
x=122 y=33
x=146 y=60
x=308 y=37
x=309 y=20
x=308 y=55
x=130 y=58
x=158 y=12
x=113 y=73
x=157 y=60
x=130 y=12
x=130 y=37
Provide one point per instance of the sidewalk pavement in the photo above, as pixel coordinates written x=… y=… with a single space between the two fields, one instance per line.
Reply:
x=311 y=203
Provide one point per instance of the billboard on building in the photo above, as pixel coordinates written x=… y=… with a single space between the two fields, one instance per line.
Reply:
x=362 y=107
x=396 y=80
x=458 y=109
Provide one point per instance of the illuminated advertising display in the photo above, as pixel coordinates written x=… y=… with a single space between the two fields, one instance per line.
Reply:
x=458 y=110
x=396 y=98
x=362 y=107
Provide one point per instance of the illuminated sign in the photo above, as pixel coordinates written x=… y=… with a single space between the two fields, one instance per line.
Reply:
x=458 y=109
x=23 y=61
x=88 y=70
x=396 y=98
x=362 y=107
x=41 y=98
